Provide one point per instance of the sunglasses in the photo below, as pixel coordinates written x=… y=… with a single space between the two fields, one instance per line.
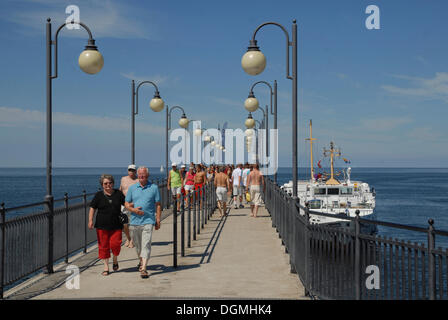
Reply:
x=104 y=183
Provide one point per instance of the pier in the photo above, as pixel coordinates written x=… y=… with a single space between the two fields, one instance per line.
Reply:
x=198 y=255
x=233 y=257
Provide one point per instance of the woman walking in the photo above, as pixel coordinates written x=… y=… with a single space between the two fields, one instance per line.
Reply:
x=107 y=204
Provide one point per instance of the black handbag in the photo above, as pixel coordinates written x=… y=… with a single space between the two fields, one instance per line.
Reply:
x=123 y=218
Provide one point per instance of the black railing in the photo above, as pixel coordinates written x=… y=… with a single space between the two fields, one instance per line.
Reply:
x=33 y=239
x=345 y=263
x=199 y=206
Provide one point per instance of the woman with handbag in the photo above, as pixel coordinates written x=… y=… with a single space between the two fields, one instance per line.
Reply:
x=109 y=221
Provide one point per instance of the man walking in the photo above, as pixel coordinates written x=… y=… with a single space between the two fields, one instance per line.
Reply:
x=237 y=185
x=125 y=183
x=143 y=201
x=222 y=185
x=175 y=183
x=245 y=174
x=254 y=183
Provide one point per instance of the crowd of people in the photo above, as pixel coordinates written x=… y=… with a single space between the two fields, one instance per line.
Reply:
x=139 y=200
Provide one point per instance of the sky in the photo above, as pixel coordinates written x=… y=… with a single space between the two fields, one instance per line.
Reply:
x=380 y=95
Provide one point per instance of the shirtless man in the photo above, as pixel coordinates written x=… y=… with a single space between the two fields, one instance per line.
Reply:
x=200 y=178
x=125 y=183
x=254 y=182
x=222 y=185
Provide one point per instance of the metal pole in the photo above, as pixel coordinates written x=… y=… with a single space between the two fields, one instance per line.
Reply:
x=66 y=226
x=84 y=197
x=175 y=233
x=166 y=154
x=49 y=196
x=133 y=122
x=275 y=127
x=431 y=261
x=2 y=270
x=182 y=226
x=357 y=258
x=267 y=131
x=294 y=110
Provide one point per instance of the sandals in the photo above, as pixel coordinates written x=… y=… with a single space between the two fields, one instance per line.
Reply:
x=144 y=274
x=105 y=273
x=115 y=267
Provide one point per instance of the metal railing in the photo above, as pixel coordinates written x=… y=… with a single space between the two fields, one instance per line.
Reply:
x=344 y=263
x=196 y=208
x=37 y=240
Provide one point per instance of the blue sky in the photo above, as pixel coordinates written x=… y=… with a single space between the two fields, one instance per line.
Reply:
x=380 y=95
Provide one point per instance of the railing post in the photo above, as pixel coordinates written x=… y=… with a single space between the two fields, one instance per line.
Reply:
x=50 y=207
x=66 y=226
x=84 y=200
x=307 y=247
x=292 y=243
x=2 y=256
x=175 y=233
x=182 y=226
x=202 y=205
x=189 y=220
x=357 y=258
x=194 y=214
x=431 y=261
x=198 y=203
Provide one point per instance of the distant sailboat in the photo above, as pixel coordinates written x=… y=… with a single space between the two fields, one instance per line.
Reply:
x=161 y=169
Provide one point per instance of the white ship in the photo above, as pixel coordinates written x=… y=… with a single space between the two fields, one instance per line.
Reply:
x=326 y=194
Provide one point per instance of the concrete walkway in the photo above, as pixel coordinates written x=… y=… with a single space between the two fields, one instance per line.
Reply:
x=237 y=256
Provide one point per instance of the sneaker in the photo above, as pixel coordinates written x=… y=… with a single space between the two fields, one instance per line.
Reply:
x=236 y=207
x=241 y=206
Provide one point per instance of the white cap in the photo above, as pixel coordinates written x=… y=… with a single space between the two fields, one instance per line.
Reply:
x=132 y=166
x=182 y=166
x=174 y=164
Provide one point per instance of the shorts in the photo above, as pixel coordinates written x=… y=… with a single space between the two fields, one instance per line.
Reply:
x=189 y=187
x=255 y=195
x=237 y=190
x=221 y=193
x=198 y=186
x=176 y=190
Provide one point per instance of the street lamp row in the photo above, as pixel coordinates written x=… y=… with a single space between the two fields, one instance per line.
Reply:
x=253 y=63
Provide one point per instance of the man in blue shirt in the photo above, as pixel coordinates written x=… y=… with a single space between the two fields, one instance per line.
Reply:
x=143 y=201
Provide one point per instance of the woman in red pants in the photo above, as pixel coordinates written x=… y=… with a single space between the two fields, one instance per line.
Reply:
x=107 y=203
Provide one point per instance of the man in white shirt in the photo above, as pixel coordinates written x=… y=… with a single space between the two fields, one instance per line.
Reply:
x=237 y=185
x=245 y=174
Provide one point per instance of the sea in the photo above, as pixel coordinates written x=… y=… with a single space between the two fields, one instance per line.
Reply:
x=407 y=196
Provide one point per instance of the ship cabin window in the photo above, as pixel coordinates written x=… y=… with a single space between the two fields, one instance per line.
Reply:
x=346 y=190
x=333 y=191
x=320 y=191
x=315 y=204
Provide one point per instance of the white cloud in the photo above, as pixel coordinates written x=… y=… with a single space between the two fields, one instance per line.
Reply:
x=433 y=88
x=22 y=118
x=384 y=124
x=158 y=79
x=106 y=18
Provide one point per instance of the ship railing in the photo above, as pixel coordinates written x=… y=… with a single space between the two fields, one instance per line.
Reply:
x=33 y=238
x=348 y=263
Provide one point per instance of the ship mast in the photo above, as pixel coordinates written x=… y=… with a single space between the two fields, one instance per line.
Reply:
x=311 y=139
x=333 y=153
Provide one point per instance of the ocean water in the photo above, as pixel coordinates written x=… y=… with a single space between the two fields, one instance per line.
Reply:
x=403 y=195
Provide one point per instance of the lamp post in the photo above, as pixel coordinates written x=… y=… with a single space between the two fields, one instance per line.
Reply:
x=183 y=123
x=156 y=104
x=252 y=104
x=90 y=61
x=254 y=62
